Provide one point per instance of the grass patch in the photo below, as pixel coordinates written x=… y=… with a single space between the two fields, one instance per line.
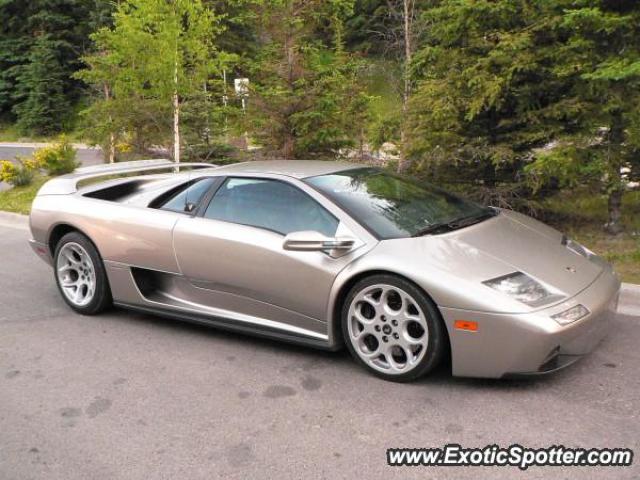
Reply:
x=581 y=215
x=10 y=133
x=379 y=77
x=19 y=199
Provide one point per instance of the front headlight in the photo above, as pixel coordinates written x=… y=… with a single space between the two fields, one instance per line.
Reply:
x=522 y=288
x=571 y=315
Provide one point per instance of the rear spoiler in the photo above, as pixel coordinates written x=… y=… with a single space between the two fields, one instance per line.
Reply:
x=67 y=184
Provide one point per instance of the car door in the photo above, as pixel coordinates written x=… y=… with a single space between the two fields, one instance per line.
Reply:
x=234 y=250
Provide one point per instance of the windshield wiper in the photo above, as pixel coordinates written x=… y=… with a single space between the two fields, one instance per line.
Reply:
x=433 y=228
x=455 y=224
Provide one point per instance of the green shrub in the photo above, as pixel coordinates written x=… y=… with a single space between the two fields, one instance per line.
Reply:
x=18 y=174
x=57 y=159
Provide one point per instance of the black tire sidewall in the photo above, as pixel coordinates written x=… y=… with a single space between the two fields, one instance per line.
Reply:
x=436 y=344
x=102 y=297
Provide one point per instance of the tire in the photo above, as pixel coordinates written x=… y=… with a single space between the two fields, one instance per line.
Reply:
x=80 y=275
x=392 y=328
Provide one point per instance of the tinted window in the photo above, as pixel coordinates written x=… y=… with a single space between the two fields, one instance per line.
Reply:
x=192 y=192
x=269 y=204
x=392 y=206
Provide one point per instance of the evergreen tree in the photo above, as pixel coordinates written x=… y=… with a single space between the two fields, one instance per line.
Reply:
x=597 y=57
x=41 y=86
x=14 y=49
x=307 y=96
x=40 y=45
x=487 y=94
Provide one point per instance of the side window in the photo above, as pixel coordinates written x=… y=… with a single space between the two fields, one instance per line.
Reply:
x=192 y=193
x=270 y=204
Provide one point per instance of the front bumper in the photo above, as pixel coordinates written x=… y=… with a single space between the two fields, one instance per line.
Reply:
x=42 y=250
x=532 y=343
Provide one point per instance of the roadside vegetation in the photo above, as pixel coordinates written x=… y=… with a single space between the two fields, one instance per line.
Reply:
x=518 y=103
x=19 y=199
x=580 y=215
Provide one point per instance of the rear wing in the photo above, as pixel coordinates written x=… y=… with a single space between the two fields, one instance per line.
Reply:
x=67 y=184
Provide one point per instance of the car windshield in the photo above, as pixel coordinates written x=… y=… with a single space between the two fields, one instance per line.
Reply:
x=394 y=207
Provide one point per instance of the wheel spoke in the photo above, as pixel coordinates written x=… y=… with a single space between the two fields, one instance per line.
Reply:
x=70 y=258
x=70 y=283
x=78 y=294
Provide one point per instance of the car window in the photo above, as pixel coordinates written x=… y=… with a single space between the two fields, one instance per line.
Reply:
x=191 y=192
x=270 y=204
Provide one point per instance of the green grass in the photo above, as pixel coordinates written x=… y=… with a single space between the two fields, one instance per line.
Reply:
x=582 y=214
x=19 y=199
x=10 y=133
x=380 y=74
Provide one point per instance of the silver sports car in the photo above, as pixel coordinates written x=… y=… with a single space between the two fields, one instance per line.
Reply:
x=327 y=254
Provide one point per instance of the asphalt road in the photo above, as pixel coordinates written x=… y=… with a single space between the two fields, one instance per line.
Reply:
x=129 y=396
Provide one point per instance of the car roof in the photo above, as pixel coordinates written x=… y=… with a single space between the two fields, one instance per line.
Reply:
x=291 y=168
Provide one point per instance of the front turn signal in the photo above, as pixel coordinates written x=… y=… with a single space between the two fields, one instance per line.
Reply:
x=466 y=325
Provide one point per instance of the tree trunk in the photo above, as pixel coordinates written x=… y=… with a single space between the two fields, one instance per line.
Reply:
x=615 y=156
x=404 y=164
x=111 y=154
x=112 y=148
x=176 y=113
x=176 y=128
x=614 y=204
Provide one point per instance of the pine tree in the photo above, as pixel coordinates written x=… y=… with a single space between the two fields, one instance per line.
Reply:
x=307 y=95
x=41 y=86
x=40 y=45
x=486 y=95
x=597 y=57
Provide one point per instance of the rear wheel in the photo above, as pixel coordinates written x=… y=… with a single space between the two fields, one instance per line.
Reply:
x=80 y=275
x=392 y=328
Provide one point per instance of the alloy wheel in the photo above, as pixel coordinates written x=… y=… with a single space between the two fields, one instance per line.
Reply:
x=76 y=274
x=388 y=329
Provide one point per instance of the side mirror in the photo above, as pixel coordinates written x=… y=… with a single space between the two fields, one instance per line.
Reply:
x=189 y=207
x=311 y=241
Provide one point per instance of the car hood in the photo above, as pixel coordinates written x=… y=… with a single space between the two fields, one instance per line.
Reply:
x=452 y=266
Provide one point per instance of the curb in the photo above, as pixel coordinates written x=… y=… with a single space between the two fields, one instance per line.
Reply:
x=14 y=220
x=631 y=287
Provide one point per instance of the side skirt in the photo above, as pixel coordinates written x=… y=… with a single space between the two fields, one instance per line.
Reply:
x=233 y=326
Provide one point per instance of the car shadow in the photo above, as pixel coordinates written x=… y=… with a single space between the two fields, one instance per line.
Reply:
x=440 y=377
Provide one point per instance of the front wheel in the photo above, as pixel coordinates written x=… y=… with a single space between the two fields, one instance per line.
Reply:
x=392 y=328
x=80 y=275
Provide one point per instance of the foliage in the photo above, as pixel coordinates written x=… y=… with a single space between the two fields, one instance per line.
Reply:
x=599 y=64
x=581 y=213
x=507 y=83
x=57 y=159
x=156 y=52
x=41 y=85
x=307 y=100
x=18 y=173
x=486 y=97
x=512 y=100
x=40 y=42
x=19 y=199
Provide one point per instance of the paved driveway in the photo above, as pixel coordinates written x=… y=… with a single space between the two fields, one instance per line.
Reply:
x=128 y=396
